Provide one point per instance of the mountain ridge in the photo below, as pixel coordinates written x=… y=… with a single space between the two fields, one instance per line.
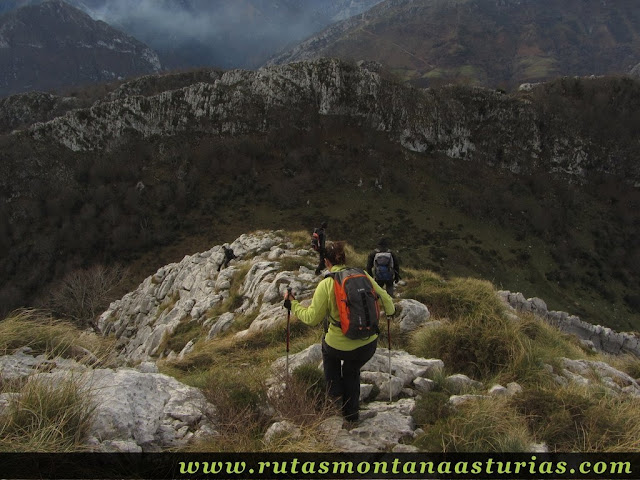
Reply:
x=497 y=44
x=446 y=120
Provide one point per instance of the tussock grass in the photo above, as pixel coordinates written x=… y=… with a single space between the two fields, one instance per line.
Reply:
x=304 y=401
x=44 y=416
x=300 y=238
x=479 y=339
x=240 y=400
x=579 y=418
x=255 y=352
x=630 y=364
x=186 y=331
x=293 y=264
x=459 y=299
x=478 y=425
x=244 y=413
x=432 y=407
x=544 y=344
x=45 y=334
x=479 y=351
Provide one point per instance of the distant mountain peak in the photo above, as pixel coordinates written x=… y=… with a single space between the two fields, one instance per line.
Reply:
x=54 y=45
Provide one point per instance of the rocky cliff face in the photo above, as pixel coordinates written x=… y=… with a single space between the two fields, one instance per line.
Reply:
x=54 y=45
x=463 y=123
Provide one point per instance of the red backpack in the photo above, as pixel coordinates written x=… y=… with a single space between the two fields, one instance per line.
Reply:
x=357 y=303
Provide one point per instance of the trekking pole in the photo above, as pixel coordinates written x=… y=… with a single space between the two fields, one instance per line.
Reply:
x=389 y=341
x=287 y=305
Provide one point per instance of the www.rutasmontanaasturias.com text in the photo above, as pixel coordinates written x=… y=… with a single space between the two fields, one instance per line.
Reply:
x=397 y=466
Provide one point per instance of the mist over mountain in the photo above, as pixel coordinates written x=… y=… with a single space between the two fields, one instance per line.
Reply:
x=221 y=33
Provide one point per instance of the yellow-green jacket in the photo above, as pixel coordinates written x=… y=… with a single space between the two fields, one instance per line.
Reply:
x=324 y=304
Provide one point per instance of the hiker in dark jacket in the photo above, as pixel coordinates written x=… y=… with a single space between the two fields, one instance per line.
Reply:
x=228 y=256
x=342 y=357
x=320 y=237
x=383 y=265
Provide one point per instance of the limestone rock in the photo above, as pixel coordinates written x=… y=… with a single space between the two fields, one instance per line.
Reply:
x=282 y=429
x=596 y=337
x=412 y=314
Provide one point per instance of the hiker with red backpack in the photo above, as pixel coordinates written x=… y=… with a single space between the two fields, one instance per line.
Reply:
x=383 y=265
x=347 y=300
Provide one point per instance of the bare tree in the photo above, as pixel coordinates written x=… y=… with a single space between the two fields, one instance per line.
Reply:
x=85 y=293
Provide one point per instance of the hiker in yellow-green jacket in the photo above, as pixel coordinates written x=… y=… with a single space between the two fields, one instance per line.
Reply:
x=342 y=357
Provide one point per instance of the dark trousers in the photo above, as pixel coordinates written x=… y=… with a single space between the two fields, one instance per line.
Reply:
x=321 y=264
x=342 y=372
x=388 y=286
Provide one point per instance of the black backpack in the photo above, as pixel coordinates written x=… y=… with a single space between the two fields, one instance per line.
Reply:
x=357 y=303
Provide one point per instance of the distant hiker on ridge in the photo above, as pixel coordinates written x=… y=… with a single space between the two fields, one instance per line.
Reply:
x=228 y=256
x=318 y=239
x=383 y=265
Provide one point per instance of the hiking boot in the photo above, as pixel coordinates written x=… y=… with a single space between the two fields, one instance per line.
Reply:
x=366 y=414
x=353 y=421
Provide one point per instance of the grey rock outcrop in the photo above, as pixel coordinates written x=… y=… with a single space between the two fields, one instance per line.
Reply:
x=412 y=315
x=601 y=338
x=389 y=426
x=187 y=291
x=143 y=410
x=154 y=411
x=135 y=410
x=587 y=372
